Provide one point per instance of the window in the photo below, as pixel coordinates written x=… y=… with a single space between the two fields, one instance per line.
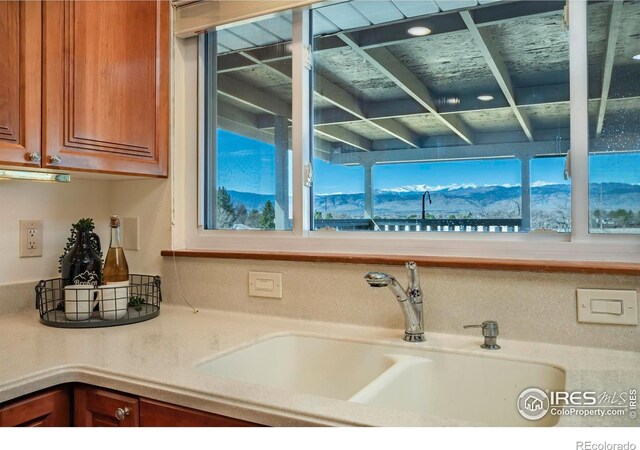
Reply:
x=342 y=196
x=471 y=195
x=550 y=194
x=423 y=125
x=614 y=109
x=247 y=126
x=453 y=108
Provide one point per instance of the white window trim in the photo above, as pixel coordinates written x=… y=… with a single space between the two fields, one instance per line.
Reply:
x=580 y=245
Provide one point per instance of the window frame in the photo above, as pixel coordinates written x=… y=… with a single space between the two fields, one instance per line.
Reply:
x=579 y=245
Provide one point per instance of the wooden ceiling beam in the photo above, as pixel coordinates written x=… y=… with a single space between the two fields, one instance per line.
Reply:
x=491 y=54
x=612 y=40
x=386 y=63
x=349 y=103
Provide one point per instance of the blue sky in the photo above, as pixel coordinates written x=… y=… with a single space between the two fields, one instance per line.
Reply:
x=248 y=165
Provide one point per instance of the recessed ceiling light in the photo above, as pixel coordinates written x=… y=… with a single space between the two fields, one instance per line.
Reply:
x=637 y=57
x=419 y=31
x=485 y=98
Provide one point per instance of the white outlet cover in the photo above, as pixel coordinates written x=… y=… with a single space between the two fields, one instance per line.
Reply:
x=608 y=306
x=130 y=233
x=265 y=284
x=31 y=239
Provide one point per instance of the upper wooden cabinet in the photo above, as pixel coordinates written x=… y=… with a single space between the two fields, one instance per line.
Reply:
x=106 y=86
x=20 y=102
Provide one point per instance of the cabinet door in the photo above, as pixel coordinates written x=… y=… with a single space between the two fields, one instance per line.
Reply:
x=96 y=407
x=158 y=414
x=20 y=82
x=106 y=86
x=46 y=409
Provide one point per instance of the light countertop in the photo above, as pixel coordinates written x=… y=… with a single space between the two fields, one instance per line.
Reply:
x=157 y=359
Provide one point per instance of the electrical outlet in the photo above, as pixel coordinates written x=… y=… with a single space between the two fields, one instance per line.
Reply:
x=31 y=238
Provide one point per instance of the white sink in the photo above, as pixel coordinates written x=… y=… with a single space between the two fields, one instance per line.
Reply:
x=327 y=367
x=477 y=389
x=480 y=389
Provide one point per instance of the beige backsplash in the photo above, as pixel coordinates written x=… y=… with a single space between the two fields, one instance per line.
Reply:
x=528 y=306
x=18 y=297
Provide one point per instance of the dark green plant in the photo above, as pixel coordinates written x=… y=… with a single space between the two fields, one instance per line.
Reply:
x=268 y=220
x=136 y=302
x=81 y=225
x=226 y=210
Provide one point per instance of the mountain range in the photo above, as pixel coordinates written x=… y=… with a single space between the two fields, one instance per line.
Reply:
x=469 y=200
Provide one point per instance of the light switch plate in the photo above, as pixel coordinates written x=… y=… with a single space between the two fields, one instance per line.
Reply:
x=130 y=234
x=617 y=307
x=31 y=238
x=265 y=284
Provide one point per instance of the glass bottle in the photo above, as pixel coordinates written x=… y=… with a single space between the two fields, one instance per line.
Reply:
x=115 y=269
x=82 y=265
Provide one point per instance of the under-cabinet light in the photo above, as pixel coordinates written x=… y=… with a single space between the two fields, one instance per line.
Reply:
x=485 y=98
x=636 y=57
x=34 y=176
x=419 y=31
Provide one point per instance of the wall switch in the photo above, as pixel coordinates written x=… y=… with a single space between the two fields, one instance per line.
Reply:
x=618 y=307
x=31 y=238
x=130 y=235
x=265 y=284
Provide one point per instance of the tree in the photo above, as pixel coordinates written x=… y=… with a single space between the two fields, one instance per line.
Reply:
x=317 y=215
x=226 y=211
x=268 y=219
x=328 y=216
x=253 y=219
x=241 y=215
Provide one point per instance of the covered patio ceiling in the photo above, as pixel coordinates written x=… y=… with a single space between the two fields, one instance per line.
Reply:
x=379 y=89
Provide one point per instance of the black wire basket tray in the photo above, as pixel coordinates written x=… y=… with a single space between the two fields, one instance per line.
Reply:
x=86 y=306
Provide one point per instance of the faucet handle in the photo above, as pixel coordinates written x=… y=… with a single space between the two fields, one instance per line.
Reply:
x=490 y=332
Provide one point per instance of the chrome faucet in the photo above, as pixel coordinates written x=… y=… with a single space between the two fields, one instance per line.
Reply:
x=410 y=299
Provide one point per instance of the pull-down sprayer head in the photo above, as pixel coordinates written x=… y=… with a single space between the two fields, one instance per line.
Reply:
x=410 y=300
x=379 y=279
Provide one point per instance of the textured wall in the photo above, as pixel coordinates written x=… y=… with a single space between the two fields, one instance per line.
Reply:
x=150 y=201
x=528 y=306
x=59 y=205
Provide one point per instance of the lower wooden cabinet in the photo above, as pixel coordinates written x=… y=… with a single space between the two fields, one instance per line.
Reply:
x=83 y=405
x=96 y=407
x=48 y=408
x=159 y=414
